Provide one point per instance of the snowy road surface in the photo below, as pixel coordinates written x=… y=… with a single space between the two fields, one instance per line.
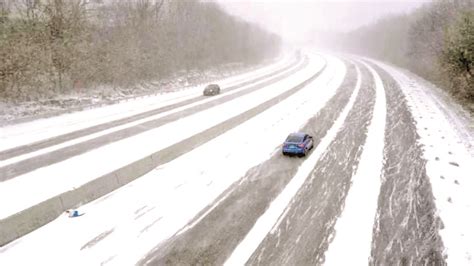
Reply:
x=389 y=181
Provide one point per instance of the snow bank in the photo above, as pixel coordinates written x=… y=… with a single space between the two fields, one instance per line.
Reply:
x=448 y=150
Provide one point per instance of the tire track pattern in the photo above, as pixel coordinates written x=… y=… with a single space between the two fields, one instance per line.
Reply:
x=406 y=226
x=214 y=238
x=304 y=233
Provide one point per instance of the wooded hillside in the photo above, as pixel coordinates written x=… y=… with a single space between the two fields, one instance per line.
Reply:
x=436 y=42
x=53 y=46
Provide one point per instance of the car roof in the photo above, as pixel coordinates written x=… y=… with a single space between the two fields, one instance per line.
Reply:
x=298 y=134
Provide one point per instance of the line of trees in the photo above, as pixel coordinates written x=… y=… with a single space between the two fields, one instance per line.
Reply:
x=436 y=41
x=53 y=46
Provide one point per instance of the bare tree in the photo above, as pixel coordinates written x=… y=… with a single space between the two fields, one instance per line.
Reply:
x=52 y=46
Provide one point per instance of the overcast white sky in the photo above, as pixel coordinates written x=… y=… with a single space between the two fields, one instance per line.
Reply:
x=295 y=18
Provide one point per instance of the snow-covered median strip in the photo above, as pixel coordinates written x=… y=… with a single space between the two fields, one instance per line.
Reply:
x=264 y=224
x=448 y=150
x=353 y=230
x=44 y=183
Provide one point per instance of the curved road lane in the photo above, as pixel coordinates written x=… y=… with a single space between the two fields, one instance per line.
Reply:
x=303 y=233
x=213 y=238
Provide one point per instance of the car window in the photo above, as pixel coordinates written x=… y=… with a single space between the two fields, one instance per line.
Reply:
x=294 y=138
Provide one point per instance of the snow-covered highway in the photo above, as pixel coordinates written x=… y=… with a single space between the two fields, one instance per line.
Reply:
x=388 y=182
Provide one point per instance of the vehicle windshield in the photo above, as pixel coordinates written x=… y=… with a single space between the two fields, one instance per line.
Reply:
x=295 y=138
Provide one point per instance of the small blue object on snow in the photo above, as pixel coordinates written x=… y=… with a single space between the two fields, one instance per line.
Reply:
x=73 y=213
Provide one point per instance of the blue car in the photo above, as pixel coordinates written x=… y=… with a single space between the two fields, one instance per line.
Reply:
x=297 y=144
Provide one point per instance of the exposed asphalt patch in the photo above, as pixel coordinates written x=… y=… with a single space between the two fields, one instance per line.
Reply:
x=304 y=233
x=213 y=239
x=454 y=164
x=406 y=229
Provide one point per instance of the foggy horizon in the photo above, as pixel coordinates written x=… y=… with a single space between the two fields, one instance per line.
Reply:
x=294 y=20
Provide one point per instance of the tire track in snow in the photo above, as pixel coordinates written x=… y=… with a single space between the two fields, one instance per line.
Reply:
x=447 y=147
x=406 y=227
x=216 y=234
x=27 y=165
x=353 y=229
x=304 y=230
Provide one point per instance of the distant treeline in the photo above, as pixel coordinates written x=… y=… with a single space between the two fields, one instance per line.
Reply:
x=52 y=46
x=436 y=41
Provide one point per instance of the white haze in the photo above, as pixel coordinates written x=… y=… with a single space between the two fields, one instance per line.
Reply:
x=296 y=20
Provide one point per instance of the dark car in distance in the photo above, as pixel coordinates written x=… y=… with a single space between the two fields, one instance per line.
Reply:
x=297 y=144
x=211 y=89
